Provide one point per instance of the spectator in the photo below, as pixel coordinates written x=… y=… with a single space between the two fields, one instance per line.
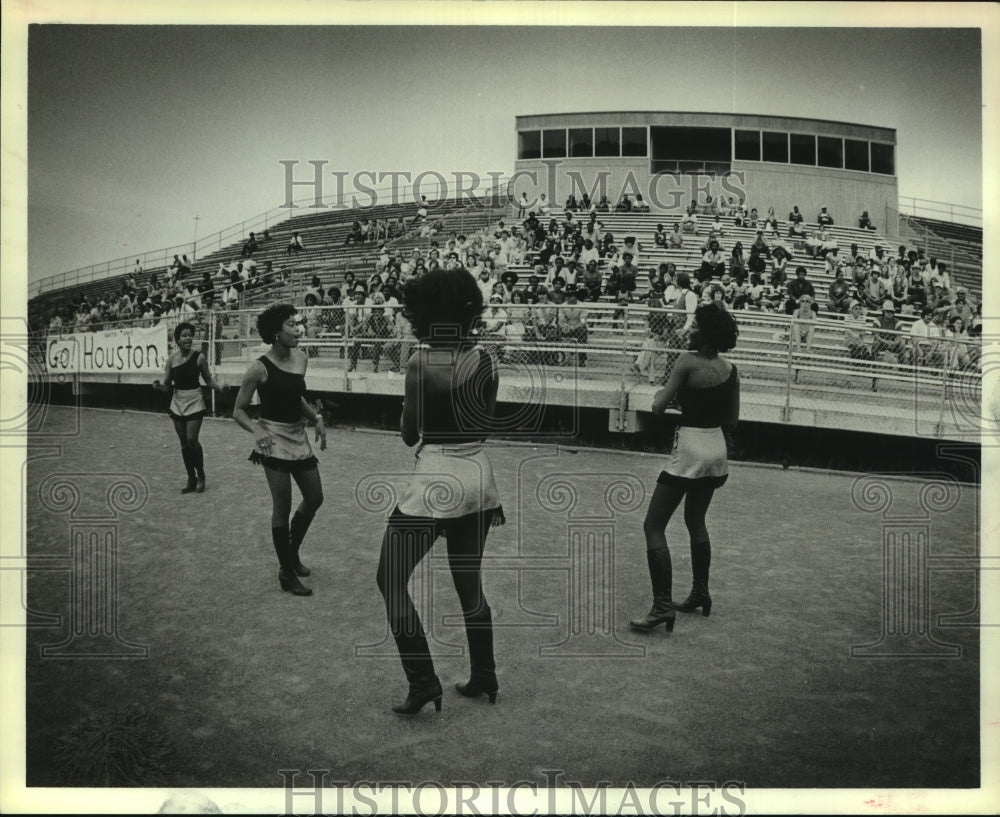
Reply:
x=592 y=280
x=650 y=363
x=888 y=345
x=815 y=241
x=873 y=292
x=961 y=308
x=916 y=295
x=824 y=219
x=797 y=288
x=898 y=287
x=803 y=324
x=771 y=221
x=839 y=295
x=942 y=277
x=925 y=339
x=249 y=246
x=958 y=344
x=295 y=244
x=779 y=264
x=357 y=317
x=795 y=217
x=485 y=283
x=494 y=318
x=760 y=246
x=676 y=240
x=684 y=307
x=857 y=332
x=640 y=205
x=713 y=263
x=738 y=264
x=660 y=238
x=689 y=224
x=941 y=303
x=865 y=223
x=573 y=324
x=628 y=275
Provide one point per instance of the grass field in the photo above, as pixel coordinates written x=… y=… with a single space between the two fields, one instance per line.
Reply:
x=242 y=680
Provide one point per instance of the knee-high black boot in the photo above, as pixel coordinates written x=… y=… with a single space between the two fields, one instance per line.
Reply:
x=286 y=574
x=297 y=532
x=419 y=668
x=701 y=559
x=661 y=576
x=192 y=483
x=198 y=463
x=483 y=677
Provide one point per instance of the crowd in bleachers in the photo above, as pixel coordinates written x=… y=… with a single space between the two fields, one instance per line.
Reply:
x=539 y=272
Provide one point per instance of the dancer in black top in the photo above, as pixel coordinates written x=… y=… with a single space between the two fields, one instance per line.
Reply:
x=282 y=445
x=451 y=388
x=708 y=389
x=187 y=405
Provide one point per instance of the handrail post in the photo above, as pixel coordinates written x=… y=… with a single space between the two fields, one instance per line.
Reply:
x=786 y=413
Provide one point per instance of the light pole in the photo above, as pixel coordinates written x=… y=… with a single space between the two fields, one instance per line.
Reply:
x=194 y=249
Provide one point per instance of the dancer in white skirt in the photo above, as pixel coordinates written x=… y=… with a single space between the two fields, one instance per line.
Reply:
x=450 y=399
x=281 y=443
x=183 y=369
x=708 y=389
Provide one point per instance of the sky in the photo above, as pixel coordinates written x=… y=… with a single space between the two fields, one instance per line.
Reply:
x=135 y=130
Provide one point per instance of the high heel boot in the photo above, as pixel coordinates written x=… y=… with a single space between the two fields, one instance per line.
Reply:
x=198 y=461
x=419 y=668
x=483 y=677
x=701 y=559
x=188 y=455
x=662 y=611
x=296 y=533
x=286 y=573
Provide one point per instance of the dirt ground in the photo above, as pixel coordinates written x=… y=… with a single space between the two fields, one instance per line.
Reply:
x=231 y=680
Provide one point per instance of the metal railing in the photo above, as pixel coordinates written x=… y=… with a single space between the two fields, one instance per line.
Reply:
x=823 y=364
x=941 y=210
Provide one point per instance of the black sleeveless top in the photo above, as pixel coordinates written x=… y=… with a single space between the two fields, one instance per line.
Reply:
x=281 y=394
x=460 y=415
x=186 y=376
x=706 y=407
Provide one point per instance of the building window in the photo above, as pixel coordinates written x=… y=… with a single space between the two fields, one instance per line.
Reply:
x=775 y=147
x=581 y=142
x=748 y=145
x=883 y=159
x=529 y=144
x=554 y=144
x=692 y=144
x=830 y=152
x=855 y=155
x=802 y=148
x=634 y=142
x=606 y=142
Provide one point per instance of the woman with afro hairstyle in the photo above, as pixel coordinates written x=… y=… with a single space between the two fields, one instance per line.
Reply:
x=708 y=389
x=281 y=443
x=187 y=405
x=450 y=399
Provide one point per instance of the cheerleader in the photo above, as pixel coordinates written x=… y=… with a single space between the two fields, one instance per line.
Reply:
x=450 y=399
x=708 y=389
x=187 y=406
x=281 y=444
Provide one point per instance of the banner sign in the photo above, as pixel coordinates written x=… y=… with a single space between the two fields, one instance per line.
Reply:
x=114 y=351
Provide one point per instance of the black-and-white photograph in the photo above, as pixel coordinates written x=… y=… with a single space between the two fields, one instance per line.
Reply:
x=499 y=408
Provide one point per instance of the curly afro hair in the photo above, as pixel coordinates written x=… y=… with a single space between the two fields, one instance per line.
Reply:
x=270 y=321
x=442 y=305
x=716 y=327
